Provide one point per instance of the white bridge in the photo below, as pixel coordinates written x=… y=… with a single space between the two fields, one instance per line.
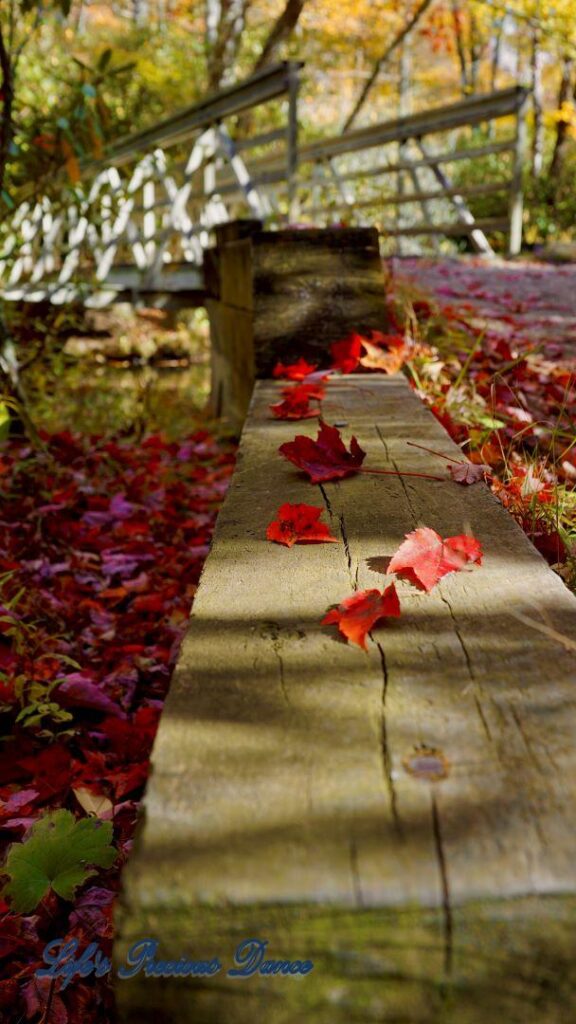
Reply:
x=138 y=223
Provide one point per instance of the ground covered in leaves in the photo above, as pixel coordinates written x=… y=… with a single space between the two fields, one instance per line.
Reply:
x=101 y=546
x=494 y=356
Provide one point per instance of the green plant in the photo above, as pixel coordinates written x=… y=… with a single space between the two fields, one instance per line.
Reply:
x=56 y=856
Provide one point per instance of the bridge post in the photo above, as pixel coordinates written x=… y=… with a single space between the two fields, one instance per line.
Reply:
x=292 y=141
x=516 y=190
x=280 y=294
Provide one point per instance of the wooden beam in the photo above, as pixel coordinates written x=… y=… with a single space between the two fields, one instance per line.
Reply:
x=291 y=797
x=400 y=198
x=451 y=230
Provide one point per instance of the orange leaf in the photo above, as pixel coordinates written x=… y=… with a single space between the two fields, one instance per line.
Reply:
x=356 y=615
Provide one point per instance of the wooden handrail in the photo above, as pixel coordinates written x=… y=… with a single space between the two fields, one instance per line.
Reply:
x=266 y=85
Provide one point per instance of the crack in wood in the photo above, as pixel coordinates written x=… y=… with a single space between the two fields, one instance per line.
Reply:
x=271 y=631
x=384 y=442
x=344 y=535
x=459 y=635
x=404 y=486
x=329 y=508
x=483 y=718
x=469 y=666
x=527 y=743
x=384 y=746
x=445 y=884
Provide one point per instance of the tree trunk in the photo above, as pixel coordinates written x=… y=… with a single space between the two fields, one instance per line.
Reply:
x=279 y=34
x=496 y=52
x=225 y=21
x=140 y=12
x=402 y=109
x=477 y=47
x=7 y=105
x=564 y=94
x=537 y=106
x=460 y=48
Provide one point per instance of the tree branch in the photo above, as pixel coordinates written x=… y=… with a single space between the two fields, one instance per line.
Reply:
x=280 y=31
x=420 y=10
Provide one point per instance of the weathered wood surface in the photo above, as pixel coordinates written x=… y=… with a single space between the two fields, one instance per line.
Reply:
x=278 y=294
x=280 y=805
x=312 y=287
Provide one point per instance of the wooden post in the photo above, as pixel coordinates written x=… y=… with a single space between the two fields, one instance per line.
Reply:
x=278 y=295
x=516 y=191
x=292 y=140
x=228 y=281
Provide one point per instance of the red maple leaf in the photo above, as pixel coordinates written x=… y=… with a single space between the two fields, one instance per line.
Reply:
x=326 y=458
x=346 y=353
x=296 y=403
x=356 y=615
x=298 y=524
x=294 y=371
x=424 y=558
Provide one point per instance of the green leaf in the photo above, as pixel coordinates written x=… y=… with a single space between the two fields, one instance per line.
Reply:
x=56 y=856
x=490 y=422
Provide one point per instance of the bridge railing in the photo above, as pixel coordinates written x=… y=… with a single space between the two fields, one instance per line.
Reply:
x=380 y=171
x=140 y=220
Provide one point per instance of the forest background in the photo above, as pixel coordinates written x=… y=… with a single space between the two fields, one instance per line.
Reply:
x=77 y=74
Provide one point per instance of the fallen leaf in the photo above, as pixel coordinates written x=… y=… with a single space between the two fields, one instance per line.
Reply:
x=468 y=472
x=424 y=558
x=327 y=458
x=296 y=403
x=56 y=856
x=294 y=371
x=78 y=690
x=298 y=524
x=346 y=353
x=38 y=994
x=93 y=803
x=149 y=603
x=356 y=615
x=389 y=360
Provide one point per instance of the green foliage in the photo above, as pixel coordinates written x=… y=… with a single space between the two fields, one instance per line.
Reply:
x=551 y=203
x=56 y=856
